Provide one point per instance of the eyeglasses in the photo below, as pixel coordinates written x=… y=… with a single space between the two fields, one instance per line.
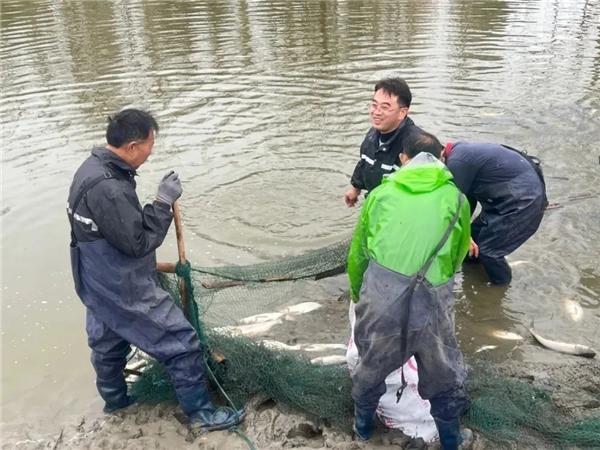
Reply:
x=383 y=108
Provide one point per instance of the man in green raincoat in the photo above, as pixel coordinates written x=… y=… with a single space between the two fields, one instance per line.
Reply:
x=412 y=236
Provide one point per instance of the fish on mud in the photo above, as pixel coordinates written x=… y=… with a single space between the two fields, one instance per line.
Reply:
x=573 y=309
x=563 y=347
x=517 y=263
x=507 y=335
x=276 y=345
x=302 y=308
x=322 y=347
x=137 y=366
x=485 y=348
x=255 y=329
x=329 y=360
x=259 y=318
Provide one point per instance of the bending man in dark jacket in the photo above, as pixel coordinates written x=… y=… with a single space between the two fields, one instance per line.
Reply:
x=381 y=148
x=512 y=197
x=113 y=245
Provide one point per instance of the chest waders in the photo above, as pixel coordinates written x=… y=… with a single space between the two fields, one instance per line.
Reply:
x=399 y=316
x=125 y=305
x=71 y=211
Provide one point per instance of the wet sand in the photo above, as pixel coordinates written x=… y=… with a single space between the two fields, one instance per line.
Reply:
x=575 y=383
x=272 y=426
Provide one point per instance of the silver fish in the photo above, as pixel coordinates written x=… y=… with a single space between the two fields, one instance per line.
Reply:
x=302 y=308
x=486 y=347
x=321 y=347
x=331 y=359
x=260 y=318
x=564 y=347
x=507 y=335
x=573 y=309
x=255 y=329
x=517 y=263
x=276 y=345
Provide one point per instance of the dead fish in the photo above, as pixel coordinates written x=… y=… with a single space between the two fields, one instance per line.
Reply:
x=517 y=263
x=573 y=309
x=322 y=347
x=255 y=329
x=507 y=335
x=135 y=366
x=276 y=345
x=259 y=318
x=329 y=360
x=564 y=347
x=486 y=347
x=302 y=308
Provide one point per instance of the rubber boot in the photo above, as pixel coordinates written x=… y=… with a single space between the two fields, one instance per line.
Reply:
x=449 y=431
x=364 y=423
x=202 y=413
x=114 y=393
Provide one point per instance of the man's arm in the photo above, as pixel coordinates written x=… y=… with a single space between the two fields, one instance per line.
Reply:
x=122 y=221
x=351 y=195
x=358 y=255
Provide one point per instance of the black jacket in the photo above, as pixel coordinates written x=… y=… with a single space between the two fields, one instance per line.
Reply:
x=379 y=159
x=109 y=207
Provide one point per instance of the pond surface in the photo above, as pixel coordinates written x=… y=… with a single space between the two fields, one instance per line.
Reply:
x=262 y=108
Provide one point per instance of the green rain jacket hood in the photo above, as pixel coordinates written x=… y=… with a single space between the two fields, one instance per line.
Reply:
x=403 y=220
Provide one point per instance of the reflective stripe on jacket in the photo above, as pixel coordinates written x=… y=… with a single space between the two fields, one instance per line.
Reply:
x=378 y=161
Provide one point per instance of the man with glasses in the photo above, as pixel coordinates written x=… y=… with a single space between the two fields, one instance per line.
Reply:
x=380 y=150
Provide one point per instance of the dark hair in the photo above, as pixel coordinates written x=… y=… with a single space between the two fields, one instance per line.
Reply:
x=397 y=87
x=129 y=125
x=418 y=142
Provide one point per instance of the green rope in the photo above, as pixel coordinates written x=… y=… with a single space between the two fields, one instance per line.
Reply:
x=184 y=272
x=244 y=437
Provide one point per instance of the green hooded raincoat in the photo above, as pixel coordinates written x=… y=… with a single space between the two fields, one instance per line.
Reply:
x=400 y=225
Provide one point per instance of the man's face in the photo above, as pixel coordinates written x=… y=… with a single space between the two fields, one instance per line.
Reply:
x=140 y=150
x=386 y=111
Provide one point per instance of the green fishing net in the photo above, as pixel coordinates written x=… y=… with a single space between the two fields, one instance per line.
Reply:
x=506 y=411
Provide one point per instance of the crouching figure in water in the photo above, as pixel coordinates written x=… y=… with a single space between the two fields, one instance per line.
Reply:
x=412 y=236
x=113 y=243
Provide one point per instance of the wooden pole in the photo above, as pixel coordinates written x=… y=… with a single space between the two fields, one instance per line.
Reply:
x=165 y=267
x=181 y=251
x=217 y=356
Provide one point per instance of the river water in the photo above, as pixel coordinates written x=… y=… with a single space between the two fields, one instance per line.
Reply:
x=262 y=107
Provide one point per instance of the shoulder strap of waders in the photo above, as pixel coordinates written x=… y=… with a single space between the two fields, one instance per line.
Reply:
x=416 y=279
x=84 y=190
x=438 y=247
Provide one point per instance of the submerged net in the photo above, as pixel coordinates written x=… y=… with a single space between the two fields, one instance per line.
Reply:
x=504 y=410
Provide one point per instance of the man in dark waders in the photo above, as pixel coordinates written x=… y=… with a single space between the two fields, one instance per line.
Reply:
x=113 y=243
x=381 y=148
x=510 y=188
x=412 y=235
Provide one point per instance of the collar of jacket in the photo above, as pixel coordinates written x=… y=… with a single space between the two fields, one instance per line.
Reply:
x=392 y=135
x=112 y=160
x=447 y=149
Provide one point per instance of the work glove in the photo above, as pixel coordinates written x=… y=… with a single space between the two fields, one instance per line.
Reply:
x=169 y=188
